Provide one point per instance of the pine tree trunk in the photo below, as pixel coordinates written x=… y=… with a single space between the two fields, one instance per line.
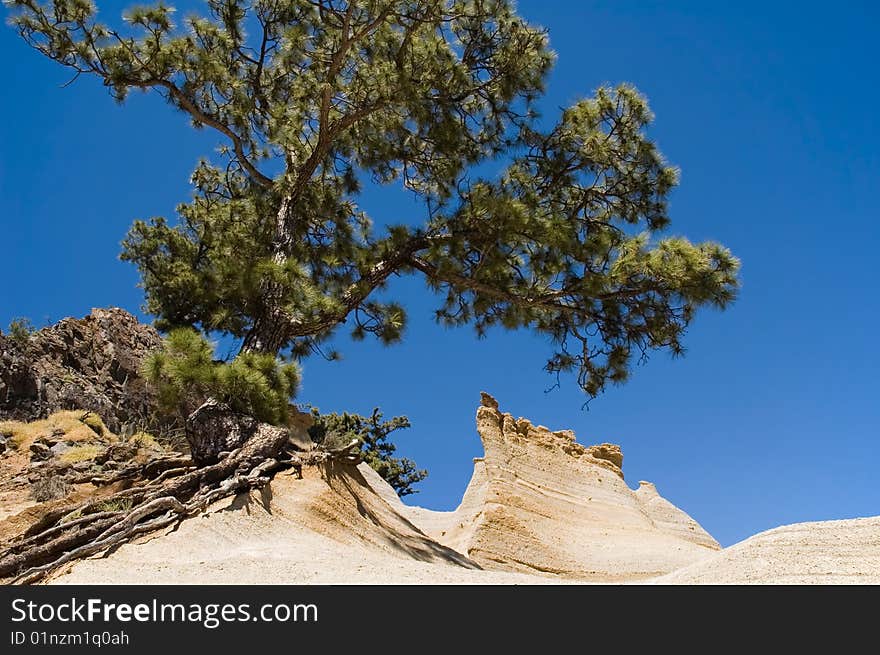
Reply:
x=269 y=333
x=214 y=429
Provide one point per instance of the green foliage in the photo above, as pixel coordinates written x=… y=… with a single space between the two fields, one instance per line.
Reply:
x=339 y=429
x=118 y=505
x=185 y=374
x=21 y=329
x=311 y=98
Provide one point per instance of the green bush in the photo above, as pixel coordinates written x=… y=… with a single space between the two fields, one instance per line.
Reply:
x=336 y=430
x=21 y=329
x=185 y=374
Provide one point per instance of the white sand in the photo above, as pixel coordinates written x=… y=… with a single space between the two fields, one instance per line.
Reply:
x=300 y=532
x=823 y=552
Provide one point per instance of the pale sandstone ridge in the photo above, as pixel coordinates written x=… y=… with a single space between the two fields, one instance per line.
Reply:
x=541 y=502
x=328 y=528
x=533 y=513
x=820 y=552
x=539 y=508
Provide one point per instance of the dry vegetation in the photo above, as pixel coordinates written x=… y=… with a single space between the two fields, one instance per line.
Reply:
x=80 y=453
x=136 y=487
x=74 y=425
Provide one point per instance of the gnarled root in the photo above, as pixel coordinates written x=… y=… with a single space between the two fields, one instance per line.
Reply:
x=175 y=491
x=163 y=491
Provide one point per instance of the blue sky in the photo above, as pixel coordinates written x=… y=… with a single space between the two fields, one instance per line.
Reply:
x=769 y=111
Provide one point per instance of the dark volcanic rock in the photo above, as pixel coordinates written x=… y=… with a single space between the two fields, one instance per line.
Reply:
x=40 y=452
x=214 y=428
x=91 y=363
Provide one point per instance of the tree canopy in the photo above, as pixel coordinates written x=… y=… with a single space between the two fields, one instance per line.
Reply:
x=313 y=99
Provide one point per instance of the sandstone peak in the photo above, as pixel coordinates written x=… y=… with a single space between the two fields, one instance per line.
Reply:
x=488 y=401
x=538 y=501
x=489 y=415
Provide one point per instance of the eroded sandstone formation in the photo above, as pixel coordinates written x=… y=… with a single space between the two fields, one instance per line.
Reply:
x=541 y=502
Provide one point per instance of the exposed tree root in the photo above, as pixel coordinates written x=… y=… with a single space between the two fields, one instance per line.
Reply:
x=149 y=504
x=151 y=469
x=161 y=492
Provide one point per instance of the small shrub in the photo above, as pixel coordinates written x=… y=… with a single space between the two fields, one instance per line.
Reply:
x=80 y=453
x=337 y=430
x=335 y=440
x=94 y=422
x=118 y=505
x=185 y=375
x=21 y=329
x=144 y=440
x=49 y=489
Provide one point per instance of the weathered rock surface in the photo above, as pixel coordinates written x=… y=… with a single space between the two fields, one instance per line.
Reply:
x=533 y=513
x=91 y=363
x=819 y=552
x=541 y=502
x=214 y=428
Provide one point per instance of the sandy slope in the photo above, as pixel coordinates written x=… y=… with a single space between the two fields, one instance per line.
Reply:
x=540 y=508
x=823 y=552
x=330 y=530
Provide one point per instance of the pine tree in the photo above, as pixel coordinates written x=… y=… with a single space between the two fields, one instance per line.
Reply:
x=313 y=98
x=185 y=375
x=338 y=429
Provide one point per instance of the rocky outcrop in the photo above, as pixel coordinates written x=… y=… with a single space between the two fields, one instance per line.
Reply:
x=91 y=363
x=541 y=502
